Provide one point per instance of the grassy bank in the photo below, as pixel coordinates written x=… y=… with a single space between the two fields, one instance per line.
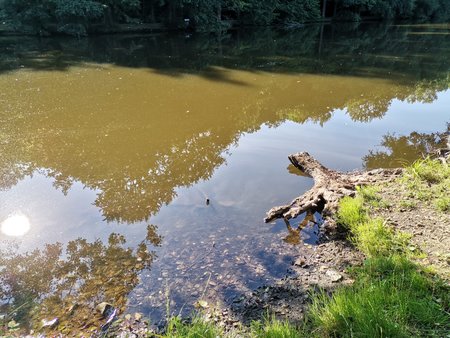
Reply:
x=429 y=181
x=391 y=296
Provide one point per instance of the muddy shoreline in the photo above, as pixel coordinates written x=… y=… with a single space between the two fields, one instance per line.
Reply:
x=323 y=265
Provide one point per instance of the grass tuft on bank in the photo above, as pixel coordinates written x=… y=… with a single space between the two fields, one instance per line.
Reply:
x=196 y=328
x=270 y=327
x=370 y=235
x=429 y=180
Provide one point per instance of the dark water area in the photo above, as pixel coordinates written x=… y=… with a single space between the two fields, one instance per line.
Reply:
x=111 y=146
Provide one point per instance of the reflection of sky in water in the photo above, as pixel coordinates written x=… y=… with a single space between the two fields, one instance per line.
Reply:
x=254 y=178
x=15 y=226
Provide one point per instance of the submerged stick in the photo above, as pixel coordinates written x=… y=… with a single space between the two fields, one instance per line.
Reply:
x=329 y=187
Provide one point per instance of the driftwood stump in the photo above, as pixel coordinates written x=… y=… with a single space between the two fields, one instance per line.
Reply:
x=329 y=187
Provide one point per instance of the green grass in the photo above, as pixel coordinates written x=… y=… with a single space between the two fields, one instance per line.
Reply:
x=196 y=328
x=443 y=203
x=273 y=328
x=371 y=196
x=352 y=212
x=428 y=180
x=429 y=170
x=408 y=205
x=371 y=236
x=391 y=297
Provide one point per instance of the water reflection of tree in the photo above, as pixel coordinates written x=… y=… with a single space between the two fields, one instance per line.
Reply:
x=133 y=180
x=372 y=50
x=367 y=109
x=137 y=170
x=68 y=284
x=364 y=104
x=403 y=150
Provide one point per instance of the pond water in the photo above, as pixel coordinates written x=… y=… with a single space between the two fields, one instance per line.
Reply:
x=111 y=146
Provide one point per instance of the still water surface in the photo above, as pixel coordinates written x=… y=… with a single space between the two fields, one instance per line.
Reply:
x=111 y=146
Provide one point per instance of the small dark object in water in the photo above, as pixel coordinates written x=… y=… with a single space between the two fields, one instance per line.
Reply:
x=207 y=201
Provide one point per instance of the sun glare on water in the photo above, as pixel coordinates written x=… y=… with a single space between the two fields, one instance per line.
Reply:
x=16 y=225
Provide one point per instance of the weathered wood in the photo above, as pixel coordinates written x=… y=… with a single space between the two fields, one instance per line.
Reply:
x=329 y=187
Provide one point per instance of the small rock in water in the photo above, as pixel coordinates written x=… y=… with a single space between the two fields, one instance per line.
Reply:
x=104 y=308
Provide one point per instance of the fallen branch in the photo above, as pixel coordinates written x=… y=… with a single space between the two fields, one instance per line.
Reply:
x=329 y=187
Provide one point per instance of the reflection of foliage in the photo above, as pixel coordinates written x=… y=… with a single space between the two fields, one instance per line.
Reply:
x=47 y=283
x=136 y=160
x=146 y=194
x=27 y=277
x=301 y=116
x=403 y=150
x=426 y=90
x=367 y=109
x=370 y=51
x=13 y=173
x=131 y=185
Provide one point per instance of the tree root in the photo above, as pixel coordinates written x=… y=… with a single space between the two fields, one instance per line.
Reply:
x=329 y=187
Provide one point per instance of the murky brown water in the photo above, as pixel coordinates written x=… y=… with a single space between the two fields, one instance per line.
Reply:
x=112 y=145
